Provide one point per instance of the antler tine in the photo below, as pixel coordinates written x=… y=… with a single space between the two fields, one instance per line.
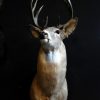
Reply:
x=71 y=6
x=46 y=22
x=35 y=17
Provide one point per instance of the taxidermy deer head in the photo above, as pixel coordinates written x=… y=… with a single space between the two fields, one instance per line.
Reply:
x=52 y=34
x=50 y=82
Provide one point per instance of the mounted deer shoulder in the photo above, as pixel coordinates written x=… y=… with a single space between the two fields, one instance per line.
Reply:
x=50 y=82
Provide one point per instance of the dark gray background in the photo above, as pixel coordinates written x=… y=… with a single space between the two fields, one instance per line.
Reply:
x=18 y=49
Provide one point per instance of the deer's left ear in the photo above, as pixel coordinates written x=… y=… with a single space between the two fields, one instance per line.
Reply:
x=35 y=31
x=69 y=27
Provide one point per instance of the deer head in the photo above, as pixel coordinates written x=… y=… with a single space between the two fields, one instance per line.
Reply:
x=51 y=37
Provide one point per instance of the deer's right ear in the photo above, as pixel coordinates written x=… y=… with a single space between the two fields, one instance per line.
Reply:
x=35 y=31
x=69 y=27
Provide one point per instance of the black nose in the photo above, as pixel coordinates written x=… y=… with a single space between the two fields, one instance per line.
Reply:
x=43 y=35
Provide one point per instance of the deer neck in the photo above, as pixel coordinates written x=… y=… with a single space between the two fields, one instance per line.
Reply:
x=54 y=54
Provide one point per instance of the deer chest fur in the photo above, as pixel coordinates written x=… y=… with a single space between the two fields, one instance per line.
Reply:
x=51 y=70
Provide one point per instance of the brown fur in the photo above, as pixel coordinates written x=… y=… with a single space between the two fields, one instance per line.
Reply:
x=45 y=83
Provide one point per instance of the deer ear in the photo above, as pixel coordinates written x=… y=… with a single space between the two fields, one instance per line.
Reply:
x=35 y=31
x=69 y=27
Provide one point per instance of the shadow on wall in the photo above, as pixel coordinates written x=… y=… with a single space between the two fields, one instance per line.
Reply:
x=2 y=41
x=1 y=2
x=2 y=48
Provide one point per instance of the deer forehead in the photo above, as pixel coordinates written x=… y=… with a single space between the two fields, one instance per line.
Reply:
x=50 y=30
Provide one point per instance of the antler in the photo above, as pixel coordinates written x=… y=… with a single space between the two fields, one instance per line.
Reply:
x=35 y=17
x=70 y=6
x=60 y=26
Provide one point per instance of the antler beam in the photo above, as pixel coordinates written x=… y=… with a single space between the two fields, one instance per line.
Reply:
x=70 y=6
x=35 y=17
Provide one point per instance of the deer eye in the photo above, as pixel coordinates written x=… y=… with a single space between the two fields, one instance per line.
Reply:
x=57 y=31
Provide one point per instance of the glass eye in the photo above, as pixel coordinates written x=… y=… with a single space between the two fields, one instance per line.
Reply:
x=57 y=31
